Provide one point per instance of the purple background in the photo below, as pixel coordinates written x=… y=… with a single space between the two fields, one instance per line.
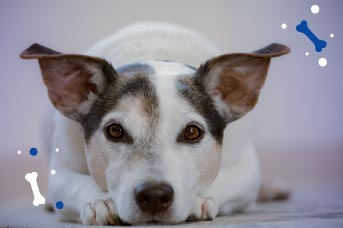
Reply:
x=299 y=115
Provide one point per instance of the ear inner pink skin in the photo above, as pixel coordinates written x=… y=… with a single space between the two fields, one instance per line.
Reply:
x=241 y=89
x=67 y=77
x=68 y=82
x=238 y=78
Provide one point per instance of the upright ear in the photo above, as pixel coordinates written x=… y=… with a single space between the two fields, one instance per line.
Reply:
x=73 y=81
x=234 y=80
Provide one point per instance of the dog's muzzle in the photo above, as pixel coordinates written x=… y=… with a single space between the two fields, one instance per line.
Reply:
x=154 y=197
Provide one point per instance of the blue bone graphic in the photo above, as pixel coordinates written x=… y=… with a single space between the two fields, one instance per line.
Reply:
x=303 y=28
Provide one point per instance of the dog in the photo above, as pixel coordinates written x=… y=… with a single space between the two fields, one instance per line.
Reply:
x=139 y=121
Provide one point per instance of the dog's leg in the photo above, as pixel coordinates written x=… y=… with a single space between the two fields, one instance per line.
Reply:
x=83 y=199
x=204 y=209
x=236 y=186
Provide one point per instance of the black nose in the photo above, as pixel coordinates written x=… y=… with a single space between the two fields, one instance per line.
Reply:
x=154 y=197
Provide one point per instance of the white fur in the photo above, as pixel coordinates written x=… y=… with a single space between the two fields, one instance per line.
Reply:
x=237 y=183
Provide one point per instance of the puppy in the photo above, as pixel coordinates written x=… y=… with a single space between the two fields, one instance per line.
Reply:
x=140 y=125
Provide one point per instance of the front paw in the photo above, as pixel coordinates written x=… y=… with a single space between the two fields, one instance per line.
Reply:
x=205 y=209
x=100 y=212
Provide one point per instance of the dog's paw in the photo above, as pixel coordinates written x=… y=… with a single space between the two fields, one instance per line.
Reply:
x=204 y=209
x=100 y=212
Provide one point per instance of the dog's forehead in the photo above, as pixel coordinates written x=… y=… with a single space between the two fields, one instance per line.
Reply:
x=139 y=68
x=165 y=68
x=157 y=68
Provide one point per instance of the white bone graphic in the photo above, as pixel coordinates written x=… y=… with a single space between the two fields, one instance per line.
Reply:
x=32 y=179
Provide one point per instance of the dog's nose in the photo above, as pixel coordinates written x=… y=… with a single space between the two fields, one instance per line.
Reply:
x=154 y=197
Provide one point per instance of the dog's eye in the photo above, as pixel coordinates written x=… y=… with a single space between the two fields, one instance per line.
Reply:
x=191 y=134
x=115 y=131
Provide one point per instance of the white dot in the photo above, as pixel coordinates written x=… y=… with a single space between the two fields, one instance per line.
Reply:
x=315 y=9
x=322 y=62
x=57 y=149
x=19 y=152
x=306 y=53
x=53 y=172
x=283 y=26
x=332 y=35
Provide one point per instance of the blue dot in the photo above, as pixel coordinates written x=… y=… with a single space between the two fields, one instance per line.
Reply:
x=59 y=204
x=33 y=151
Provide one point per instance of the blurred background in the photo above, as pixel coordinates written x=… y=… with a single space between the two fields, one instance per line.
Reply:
x=299 y=124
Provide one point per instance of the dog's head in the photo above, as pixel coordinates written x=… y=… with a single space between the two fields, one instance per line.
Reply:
x=153 y=130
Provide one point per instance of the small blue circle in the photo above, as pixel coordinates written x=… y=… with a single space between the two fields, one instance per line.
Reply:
x=59 y=204
x=33 y=151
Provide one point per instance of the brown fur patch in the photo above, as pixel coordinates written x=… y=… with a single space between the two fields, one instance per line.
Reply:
x=270 y=191
x=97 y=164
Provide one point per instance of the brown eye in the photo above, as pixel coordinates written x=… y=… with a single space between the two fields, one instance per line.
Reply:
x=115 y=131
x=191 y=134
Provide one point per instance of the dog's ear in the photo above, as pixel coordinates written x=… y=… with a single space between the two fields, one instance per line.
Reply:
x=234 y=81
x=73 y=81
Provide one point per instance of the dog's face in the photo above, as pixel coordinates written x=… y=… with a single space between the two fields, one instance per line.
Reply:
x=149 y=131
x=153 y=130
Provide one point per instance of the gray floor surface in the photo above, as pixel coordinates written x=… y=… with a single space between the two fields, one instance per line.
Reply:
x=308 y=207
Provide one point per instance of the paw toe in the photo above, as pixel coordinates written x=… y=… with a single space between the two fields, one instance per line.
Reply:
x=209 y=209
x=204 y=210
x=87 y=215
x=101 y=212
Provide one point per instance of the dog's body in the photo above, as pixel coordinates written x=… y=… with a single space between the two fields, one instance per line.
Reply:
x=154 y=98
